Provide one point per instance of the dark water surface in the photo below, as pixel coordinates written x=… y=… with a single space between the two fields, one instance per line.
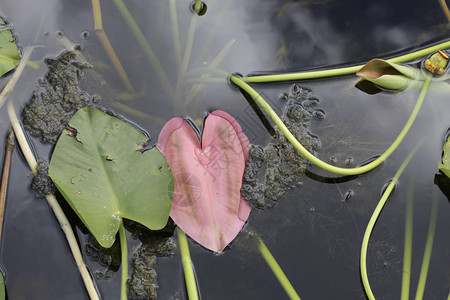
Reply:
x=313 y=234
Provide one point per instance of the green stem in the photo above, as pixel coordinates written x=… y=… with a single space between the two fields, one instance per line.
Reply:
x=205 y=79
x=373 y=219
x=277 y=271
x=160 y=26
x=197 y=5
x=196 y=88
x=406 y=276
x=209 y=70
x=218 y=59
x=321 y=164
x=124 y=262
x=175 y=32
x=428 y=245
x=345 y=70
x=189 y=276
x=185 y=62
x=145 y=46
x=214 y=29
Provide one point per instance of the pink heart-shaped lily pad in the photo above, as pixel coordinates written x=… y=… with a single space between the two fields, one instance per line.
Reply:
x=207 y=201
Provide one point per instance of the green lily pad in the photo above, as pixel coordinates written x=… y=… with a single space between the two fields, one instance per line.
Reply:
x=101 y=168
x=9 y=51
x=445 y=165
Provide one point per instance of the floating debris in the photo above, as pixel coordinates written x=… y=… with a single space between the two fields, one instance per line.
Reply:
x=274 y=170
x=106 y=257
x=41 y=184
x=56 y=99
x=143 y=283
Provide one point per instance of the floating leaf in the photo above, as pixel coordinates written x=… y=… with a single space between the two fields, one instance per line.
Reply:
x=9 y=51
x=101 y=168
x=207 y=203
x=379 y=74
x=445 y=165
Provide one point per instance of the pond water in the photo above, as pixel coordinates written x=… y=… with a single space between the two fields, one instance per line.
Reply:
x=312 y=232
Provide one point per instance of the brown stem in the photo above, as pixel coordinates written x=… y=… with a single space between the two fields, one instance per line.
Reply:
x=5 y=176
x=98 y=25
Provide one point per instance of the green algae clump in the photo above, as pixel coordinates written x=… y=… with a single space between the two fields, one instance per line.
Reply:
x=274 y=170
x=56 y=98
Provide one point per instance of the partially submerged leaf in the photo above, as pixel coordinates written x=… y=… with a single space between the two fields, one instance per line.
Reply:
x=443 y=182
x=380 y=74
x=444 y=166
x=9 y=51
x=102 y=170
x=207 y=203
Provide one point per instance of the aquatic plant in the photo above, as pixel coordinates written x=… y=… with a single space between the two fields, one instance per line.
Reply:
x=388 y=76
x=9 y=51
x=207 y=203
x=57 y=97
x=102 y=168
x=444 y=166
x=32 y=163
x=75 y=135
x=271 y=172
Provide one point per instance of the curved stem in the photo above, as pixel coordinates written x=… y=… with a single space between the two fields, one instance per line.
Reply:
x=189 y=276
x=321 y=164
x=277 y=271
x=345 y=70
x=124 y=261
x=373 y=219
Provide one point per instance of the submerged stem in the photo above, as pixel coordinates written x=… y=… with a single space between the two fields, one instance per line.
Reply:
x=145 y=46
x=175 y=32
x=277 y=271
x=445 y=9
x=428 y=245
x=345 y=70
x=189 y=276
x=5 y=176
x=185 y=62
x=407 y=250
x=321 y=164
x=373 y=219
x=114 y=59
x=124 y=261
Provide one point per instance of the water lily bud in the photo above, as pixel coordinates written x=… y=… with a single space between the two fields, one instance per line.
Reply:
x=436 y=63
x=379 y=75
